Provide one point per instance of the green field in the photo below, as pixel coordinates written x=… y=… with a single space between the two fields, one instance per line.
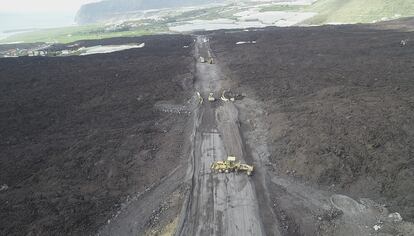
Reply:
x=357 y=11
x=282 y=8
x=75 y=33
x=352 y=11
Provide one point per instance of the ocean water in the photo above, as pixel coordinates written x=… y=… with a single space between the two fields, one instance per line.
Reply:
x=24 y=21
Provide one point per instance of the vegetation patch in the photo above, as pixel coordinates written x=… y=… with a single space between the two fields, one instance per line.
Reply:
x=356 y=11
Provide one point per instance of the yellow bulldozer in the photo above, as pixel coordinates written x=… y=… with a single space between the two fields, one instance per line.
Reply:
x=211 y=97
x=231 y=165
x=224 y=97
x=210 y=60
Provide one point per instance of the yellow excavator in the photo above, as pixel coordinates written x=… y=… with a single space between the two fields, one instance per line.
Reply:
x=231 y=165
x=224 y=98
x=200 y=99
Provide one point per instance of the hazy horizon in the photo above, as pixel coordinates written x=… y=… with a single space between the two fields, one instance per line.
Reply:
x=29 y=14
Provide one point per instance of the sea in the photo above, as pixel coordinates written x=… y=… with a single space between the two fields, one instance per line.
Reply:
x=12 y=23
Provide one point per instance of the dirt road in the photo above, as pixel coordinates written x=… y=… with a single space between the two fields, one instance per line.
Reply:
x=219 y=204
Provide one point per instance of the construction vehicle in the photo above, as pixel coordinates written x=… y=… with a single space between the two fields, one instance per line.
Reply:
x=231 y=165
x=211 y=97
x=224 y=98
x=210 y=60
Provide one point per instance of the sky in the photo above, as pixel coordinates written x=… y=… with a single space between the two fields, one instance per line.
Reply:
x=29 y=14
